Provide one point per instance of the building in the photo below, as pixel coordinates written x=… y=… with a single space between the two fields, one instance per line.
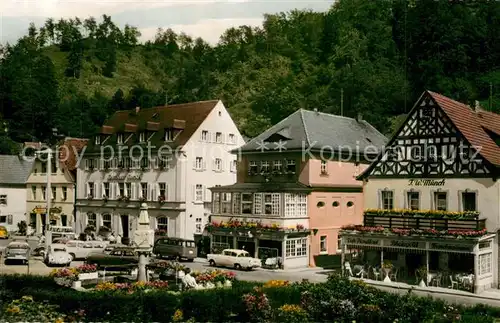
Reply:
x=432 y=199
x=14 y=171
x=294 y=179
x=62 y=182
x=185 y=150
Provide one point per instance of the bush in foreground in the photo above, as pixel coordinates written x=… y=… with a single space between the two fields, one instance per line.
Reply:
x=338 y=300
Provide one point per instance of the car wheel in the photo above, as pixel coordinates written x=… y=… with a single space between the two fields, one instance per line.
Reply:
x=42 y=253
x=72 y=256
x=237 y=266
x=212 y=263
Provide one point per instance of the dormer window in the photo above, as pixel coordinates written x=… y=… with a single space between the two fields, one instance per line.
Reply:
x=142 y=137
x=119 y=138
x=169 y=134
x=98 y=140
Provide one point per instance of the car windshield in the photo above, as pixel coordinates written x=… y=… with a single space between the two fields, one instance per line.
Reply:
x=59 y=249
x=18 y=246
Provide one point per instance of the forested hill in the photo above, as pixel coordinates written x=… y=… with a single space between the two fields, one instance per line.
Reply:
x=374 y=56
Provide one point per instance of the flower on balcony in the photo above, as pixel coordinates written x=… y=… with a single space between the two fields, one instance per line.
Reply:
x=123 y=198
x=300 y=227
x=161 y=199
x=236 y=224
x=424 y=213
x=84 y=269
x=417 y=232
x=362 y=228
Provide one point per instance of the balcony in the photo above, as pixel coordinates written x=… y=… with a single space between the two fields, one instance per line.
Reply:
x=421 y=222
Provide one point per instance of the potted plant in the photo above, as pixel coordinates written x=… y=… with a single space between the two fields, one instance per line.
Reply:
x=422 y=275
x=161 y=199
x=64 y=276
x=87 y=272
x=387 y=267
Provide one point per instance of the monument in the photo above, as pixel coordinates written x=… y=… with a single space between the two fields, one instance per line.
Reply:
x=143 y=242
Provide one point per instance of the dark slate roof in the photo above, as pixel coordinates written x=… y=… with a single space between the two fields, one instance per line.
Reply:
x=318 y=130
x=14 y=169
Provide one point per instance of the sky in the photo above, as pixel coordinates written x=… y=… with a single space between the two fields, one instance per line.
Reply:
x=207 y=19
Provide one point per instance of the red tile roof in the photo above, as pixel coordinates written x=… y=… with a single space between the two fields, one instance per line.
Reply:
x=69 y=152
x=490 y=121
x=470 y=124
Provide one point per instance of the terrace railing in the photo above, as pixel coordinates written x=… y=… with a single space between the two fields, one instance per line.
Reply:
x=422 y=223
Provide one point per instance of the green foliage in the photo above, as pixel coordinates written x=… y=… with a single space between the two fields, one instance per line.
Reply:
x=359 y=56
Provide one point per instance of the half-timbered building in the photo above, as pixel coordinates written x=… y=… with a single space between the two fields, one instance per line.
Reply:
x=432 y=209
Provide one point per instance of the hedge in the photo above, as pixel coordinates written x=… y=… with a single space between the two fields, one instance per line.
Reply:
x=338 y=300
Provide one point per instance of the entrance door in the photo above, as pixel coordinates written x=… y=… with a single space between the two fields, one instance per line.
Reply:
x=125 y=226
x=248 y=246
x=33 y=221
x=64 y=220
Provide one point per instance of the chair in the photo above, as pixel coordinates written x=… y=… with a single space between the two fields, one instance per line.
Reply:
x=453 y=283
x=436 y=281
x=394 y=275
x=376 y=273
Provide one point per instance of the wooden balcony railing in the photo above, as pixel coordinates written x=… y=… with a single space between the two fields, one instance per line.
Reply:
x=422 y=223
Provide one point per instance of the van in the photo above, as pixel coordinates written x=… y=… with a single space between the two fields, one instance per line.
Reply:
x=81 y=249
x=175 y=248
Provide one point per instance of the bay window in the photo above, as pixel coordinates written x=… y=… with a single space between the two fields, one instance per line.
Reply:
x=295 y=205
x=226 y=203
x=236 y=203
x=216 y=203
x=296 y=247
x=246 y=203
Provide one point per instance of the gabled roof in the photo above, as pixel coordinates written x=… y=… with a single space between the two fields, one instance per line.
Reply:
x=470 y=124
x=69 y=152
x=317 y=130
x=14 y=169
x=186 y=116
x=489 y=121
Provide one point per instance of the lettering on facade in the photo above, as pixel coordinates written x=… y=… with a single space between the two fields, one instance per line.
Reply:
x=426 y=182
x=446 y=246
x=39 y=210
x=406 y=244
x=61 y=229
x=122 y=177
x=363 y=241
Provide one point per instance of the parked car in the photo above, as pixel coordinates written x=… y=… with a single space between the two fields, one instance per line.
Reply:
x=235 y=258
x=119 y=257
x=4 y=233
x=175 y=248
x=58 y=255
x=17 y=251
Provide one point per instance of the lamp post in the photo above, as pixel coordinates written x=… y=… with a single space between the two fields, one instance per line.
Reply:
x=48 y=196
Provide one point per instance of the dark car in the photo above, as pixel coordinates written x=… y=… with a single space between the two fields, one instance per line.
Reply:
x=116 y=258
x=17 y=251
x=175 y=248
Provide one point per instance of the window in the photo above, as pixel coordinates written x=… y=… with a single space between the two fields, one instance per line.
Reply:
x=128 y=189
x=144 y=190
x=163 y=190
x=218 y=164
x=236 y=203
x=106 y=190
x=485 y=264
x=3 y=219
x=142 y=137
x=233 y=166
x=339 y=244
x=54 y=192
x=198 y=163
x=44 y=167
x=218 y=137
x=246 y=203
x=440 y=201
x=290 y=166
x=119 y=138
x=272 y=204
x=64 y=195
x=162 y=224
x=216 y=203
x=414 y=200
x=264 y=167
x=53 y=167
x=198 y=197
x=106 y=220
x=127 y=162
x=106 y=164
x=324 y=169
x=252 y=168
x=350 y=204
x=90 y=163
x=3 y=199
x=204 y=135
x=169 y=134
x=92 y=219
x=121 y=189
x=97 y=140
x=295 y=205
x=144 y=162
x=226 y=203
x=199 y=225
x=232 y=139
x=164 y=161
x=296 y=247
x=469 y=201
x=33 y=192
x=320 y=204
x=335 y=204
x=277 y=166
x=322 y=245
x=44 y=192
x=387 y=200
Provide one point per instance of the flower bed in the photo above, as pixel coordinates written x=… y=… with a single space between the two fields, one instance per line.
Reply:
x=131 y=288
x=435 y=214
x=256 y=226
x=417 y=232
x=216 y=277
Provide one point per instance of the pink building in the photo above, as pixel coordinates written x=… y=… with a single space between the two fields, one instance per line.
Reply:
x=295 y=189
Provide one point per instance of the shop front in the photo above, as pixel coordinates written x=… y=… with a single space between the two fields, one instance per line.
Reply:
x=464 y=262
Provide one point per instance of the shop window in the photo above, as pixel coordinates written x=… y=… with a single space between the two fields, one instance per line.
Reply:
x=296 y=247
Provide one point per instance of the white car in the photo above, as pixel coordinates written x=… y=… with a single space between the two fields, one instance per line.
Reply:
x=234 y=258
x=57 y=254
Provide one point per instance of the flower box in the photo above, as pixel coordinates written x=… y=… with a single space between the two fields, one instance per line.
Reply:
x=63 y=281
x=88 y=276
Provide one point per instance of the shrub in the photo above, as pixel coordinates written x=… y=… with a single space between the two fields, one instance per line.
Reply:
x=291 y=313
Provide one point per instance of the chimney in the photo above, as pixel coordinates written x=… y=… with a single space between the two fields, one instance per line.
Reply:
x=359 y=117
x=477 y=106
x=137 y=109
